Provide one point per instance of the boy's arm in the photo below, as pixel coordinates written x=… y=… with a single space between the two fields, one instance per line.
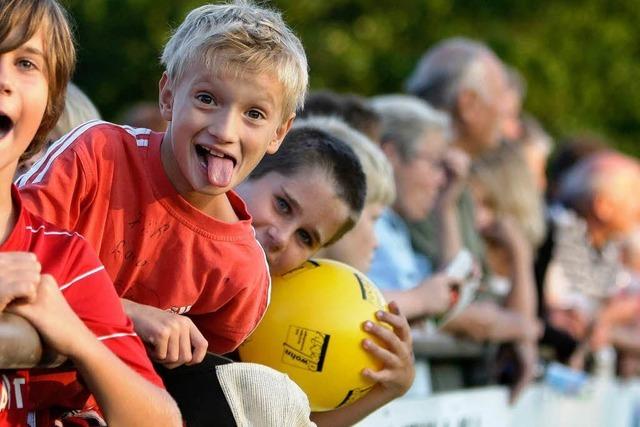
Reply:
x=392 y=381
x=172 y=339
x=124 y=397
x=176 y=339
x=87 y=324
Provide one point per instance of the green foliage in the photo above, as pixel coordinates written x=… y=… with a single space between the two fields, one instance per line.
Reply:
x=580 y=58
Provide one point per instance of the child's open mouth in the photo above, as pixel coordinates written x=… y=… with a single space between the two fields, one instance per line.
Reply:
x=219 y=166
x=6 y=125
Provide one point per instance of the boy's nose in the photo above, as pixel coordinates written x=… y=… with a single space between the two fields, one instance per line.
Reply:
x=278 y=238
x=276 y=241
x=225 y=127
x=6 y=83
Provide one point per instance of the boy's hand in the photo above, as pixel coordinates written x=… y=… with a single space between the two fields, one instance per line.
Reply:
x=19 y=277
x=398 y=371
x=172 y=339
x=49 y=312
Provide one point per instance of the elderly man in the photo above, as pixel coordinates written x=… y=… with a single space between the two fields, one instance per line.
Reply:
x=467 y=80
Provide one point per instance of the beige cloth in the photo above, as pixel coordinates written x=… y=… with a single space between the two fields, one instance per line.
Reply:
x=263 y=397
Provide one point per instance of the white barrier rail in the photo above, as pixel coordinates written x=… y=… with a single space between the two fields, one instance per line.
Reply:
x=602 y=403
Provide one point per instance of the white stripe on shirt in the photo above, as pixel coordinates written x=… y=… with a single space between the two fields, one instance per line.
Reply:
x=80 y=277
x=54 y=151
x=118 y=335
x=136 y=131
x=52 y=233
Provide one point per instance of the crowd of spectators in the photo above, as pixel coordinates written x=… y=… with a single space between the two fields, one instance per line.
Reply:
x=553 y=227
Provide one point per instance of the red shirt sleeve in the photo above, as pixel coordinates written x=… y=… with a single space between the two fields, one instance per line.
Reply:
x=58 y=186
x=90 y=293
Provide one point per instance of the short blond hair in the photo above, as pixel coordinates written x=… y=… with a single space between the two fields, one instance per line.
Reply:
x=238 y=38
x=377 y=169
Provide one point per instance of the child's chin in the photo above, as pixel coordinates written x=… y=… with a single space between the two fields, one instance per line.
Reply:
x=212 y=190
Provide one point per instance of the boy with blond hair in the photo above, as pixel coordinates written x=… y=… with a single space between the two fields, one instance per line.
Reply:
x=159 y=207
x=51 y=277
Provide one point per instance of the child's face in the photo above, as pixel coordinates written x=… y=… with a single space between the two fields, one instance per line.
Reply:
x=293 y=216
x=356 y=248
x=23 y=100
x=220 y=127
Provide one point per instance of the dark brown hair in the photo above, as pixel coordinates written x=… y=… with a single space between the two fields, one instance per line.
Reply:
x=305 y=149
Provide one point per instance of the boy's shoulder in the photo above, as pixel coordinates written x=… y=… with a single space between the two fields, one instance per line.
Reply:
x=99 y=134
x=93 y=144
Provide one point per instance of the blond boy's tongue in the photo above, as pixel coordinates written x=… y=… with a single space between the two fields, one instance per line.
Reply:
x=219 y=170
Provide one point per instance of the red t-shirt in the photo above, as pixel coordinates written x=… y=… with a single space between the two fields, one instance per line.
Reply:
x=46 y=394
x=107 y=182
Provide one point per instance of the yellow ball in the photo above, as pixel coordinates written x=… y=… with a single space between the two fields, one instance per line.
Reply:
x=313 y=332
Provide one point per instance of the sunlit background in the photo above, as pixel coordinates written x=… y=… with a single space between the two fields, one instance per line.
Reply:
x=581 y=59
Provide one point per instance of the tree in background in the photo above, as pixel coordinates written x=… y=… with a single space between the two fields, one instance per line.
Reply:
x=581 y=58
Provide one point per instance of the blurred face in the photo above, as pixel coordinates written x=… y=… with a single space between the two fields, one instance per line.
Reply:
x=624 y=210
x=512 y=125
x=484 y=212
x=356 y=247
x=294 y=216
x=219 y=128
x=484 y=115
x=536 y=158
x=419 y=178
x=23 y=100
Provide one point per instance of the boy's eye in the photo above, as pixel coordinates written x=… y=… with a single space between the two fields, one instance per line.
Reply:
x=205 y=98
x=26 y=64
x=282 y=205
x=305 y=238
x=255 y=114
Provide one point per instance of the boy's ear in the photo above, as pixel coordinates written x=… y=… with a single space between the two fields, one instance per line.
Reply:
x=166 y=97
x=281 y=132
